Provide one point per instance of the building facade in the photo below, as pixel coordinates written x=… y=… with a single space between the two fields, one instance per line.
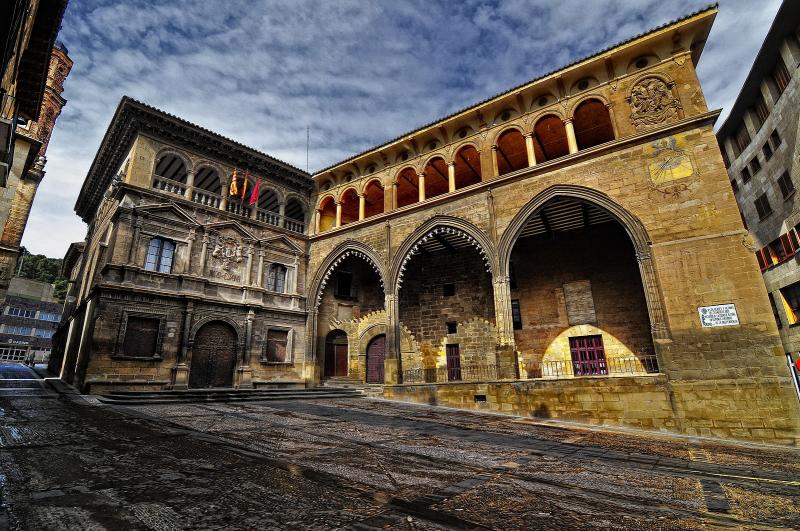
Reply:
x=568 y=249
x=761 y=146
x=33 y=67
x=28 y=321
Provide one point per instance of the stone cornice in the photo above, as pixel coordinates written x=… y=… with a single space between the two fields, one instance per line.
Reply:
x=132 y=118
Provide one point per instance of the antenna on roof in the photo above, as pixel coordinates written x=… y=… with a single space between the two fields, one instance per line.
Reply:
x=308 y=139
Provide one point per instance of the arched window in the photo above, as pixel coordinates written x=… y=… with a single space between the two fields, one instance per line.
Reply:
x=511 y=152
x=327 y=214
x=592 y=124
x=207 y=187
x=468 y=167
x=550 y=138
x=170 y=174
x=295 y=215
x=373 y=199
x=276 y=278
x=349 y=206
x=436 y=180
x=159 y=255
x=407 y=188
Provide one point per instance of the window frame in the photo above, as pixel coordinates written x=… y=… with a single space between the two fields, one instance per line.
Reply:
x=786 y=185
x=516 y=314
x=759 y=202
x=119 y=347
x=159 y=256
x=272 y=277
x=288 y=347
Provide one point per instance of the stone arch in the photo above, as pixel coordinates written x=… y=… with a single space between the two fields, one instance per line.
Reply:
x=200 y=322
x=344 y=190
x=592 y=122
x=406 y=192
x=339 y=253
x=632 y=225
x=550 y=136
x=164 y=151
x=462 y=227
x=510 y=151
x=374 y=194
x=326 y=210
x=467 y=171
x=506 y=127
x=372 y=331
x=583 y=98
x=436 y=176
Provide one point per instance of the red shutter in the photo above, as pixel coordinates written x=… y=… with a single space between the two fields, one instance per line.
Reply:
x=787 y=247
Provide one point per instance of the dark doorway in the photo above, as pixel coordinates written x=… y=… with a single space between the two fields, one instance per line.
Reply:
x=213 y=356
x=376 y=353
x=336 y=354
x=453 y=363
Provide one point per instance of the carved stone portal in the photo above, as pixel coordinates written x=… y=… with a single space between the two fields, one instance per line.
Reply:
x=652 y=103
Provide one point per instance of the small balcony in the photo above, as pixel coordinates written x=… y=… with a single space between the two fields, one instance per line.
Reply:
x=168 y=185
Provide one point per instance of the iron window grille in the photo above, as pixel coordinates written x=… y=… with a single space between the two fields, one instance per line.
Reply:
x=588 y=355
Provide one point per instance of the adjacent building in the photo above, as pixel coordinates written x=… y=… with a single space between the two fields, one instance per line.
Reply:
x=760 y=144
x=570 y=248
x=29 y=318
x=33 y=67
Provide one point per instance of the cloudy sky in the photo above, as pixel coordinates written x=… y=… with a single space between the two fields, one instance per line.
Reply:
x=358 y=72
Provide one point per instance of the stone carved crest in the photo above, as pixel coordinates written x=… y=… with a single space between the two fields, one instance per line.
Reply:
x=228 y=251
x=652 y=103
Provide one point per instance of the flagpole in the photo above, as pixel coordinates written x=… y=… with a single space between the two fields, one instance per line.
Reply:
x=308 y=140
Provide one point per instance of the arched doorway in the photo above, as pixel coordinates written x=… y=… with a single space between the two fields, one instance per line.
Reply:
x=376 y=354
x=213 y=356
x=335 y=354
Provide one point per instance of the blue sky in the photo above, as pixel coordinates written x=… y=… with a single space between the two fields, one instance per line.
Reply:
x=357 y=72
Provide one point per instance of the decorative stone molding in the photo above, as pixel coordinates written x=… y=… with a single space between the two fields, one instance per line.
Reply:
x=653 y=103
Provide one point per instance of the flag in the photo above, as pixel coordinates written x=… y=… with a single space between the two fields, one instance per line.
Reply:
x=234 y=189
x=244 y=184
x=254 y=195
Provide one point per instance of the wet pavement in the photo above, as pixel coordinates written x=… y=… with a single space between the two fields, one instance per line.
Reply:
x=364 y=464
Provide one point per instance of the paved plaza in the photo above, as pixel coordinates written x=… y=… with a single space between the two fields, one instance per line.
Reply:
x=364 y=464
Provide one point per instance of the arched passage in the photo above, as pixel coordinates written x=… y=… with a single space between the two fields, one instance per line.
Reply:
x=213 y=355
x=171 y=174
x=327 y=214
x=349 y=206
x=407 y=187
x=550 y=138
x=373 y=199
x=511 y=152
x=446 y=303
x=295 y=215
x=436 y=180
x=468 y=166
x=592 y=123
x=348 y=288
x=578 y=303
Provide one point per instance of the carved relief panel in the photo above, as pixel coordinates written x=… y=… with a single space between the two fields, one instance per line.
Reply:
x=653 y=103
x=226 y=259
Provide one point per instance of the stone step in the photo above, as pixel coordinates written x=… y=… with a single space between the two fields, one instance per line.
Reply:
x=226 y=395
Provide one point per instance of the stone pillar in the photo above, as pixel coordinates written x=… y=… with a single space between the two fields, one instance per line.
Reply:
x=394 y=195
x=245 y=373
x=281 y=211
x=312 y=373
x=203 y=255
x=451 y=176
x=189 y=185
x=137 y=227
x=248 y=274
x=260 y=279
x=187 y=268
x=571 y=141
x=530 y=149
x=658 y=321
x=421 y=183
x=180 y=373
x=67 y=348
x=362 y=205
x=502 y=310
x=495 y=167
x=392 y=365
x=338 y=214
x=317 y=217
x=253 y=210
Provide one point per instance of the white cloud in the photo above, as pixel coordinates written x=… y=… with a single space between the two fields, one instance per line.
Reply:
x=358 y=73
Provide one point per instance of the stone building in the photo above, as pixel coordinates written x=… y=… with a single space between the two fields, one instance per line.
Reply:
x=761 y=149
x=33 y=68
x=570 y=248
x=28 y=321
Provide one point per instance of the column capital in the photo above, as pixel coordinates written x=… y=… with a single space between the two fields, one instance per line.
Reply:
x=527 y=135
x=451 y=163
x=494 y=147
x=566 y=121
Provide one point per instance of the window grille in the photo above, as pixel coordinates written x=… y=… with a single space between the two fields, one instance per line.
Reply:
x=159 y=255
x=588 y=355
x=49 y=316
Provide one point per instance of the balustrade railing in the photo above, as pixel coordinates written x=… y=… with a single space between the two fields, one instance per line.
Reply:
x=237 y=208
x=168 y=185
x=598 y=367
x=464 y=373
x=294 y=225
x=268 y=216
x=206 y=198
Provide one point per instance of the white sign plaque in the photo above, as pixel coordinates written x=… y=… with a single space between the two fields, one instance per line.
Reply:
x=718 y=315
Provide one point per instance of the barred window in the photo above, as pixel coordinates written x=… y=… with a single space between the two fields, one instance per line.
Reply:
x=159 y=255
x=141 y=337
x=761 y=111
x=742 y=138
x=763 y=207
x=781 y=77
x=276 y=345
x=516 y=314
x=276 y=279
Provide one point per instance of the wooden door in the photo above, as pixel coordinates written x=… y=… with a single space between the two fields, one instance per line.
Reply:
x=453 y=363
x=330 y=360
x=213 y=356
x=376 y=353
x=341 y=360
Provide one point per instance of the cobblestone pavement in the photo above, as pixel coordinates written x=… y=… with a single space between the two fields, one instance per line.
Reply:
x=364 y=464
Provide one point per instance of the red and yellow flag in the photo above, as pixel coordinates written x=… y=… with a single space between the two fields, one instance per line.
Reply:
x=234 y=189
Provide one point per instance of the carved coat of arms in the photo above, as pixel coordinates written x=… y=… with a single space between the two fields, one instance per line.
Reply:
x=652 y=103
x=228 y=251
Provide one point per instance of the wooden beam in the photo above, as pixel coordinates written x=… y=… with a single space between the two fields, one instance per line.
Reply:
x=468 y=164
x=547 y=228
x=585 y=212
x=444 y=243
